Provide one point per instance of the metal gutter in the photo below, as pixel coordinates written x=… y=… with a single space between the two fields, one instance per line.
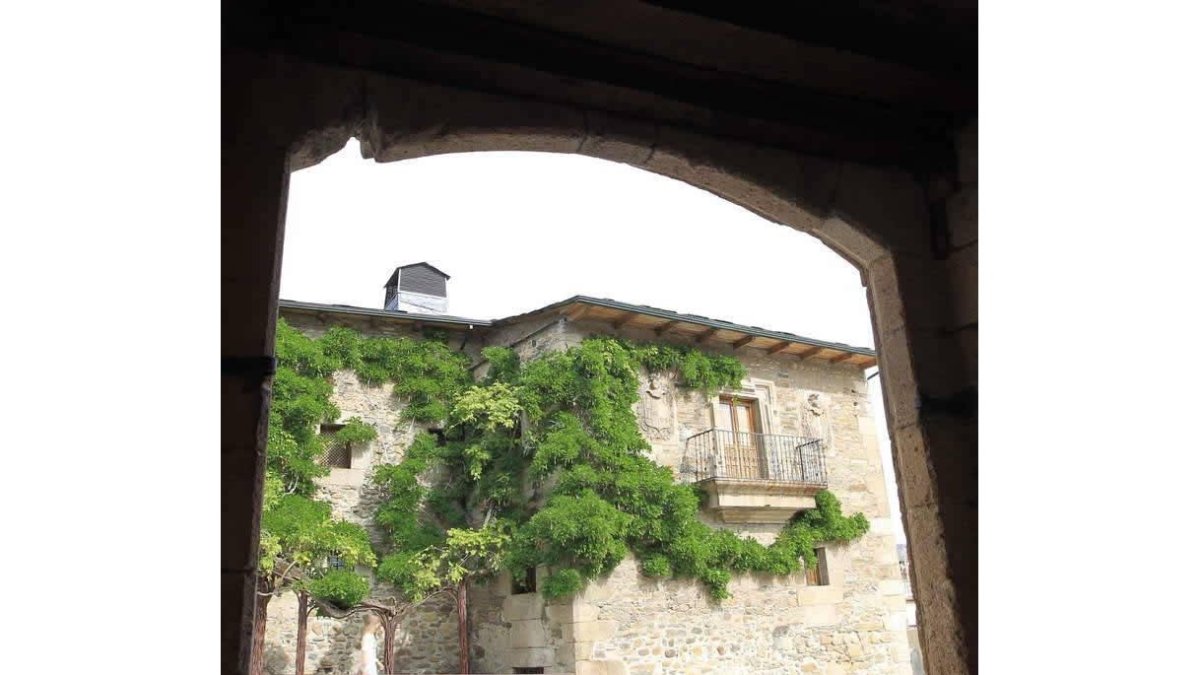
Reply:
x=431 y=319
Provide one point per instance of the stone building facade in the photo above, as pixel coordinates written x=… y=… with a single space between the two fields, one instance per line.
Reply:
x=848 y=616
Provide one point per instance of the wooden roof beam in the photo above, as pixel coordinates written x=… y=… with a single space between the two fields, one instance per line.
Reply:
x=624 y=319
x=778 y=347
x=843 y=357
x=703 y=337
x=809 y=353
x=743 y=342
x=662 y=328
x=575 y=313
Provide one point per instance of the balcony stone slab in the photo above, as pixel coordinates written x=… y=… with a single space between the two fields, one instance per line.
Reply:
x=757 y=501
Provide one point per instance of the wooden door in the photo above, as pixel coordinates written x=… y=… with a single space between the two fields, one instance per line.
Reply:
x=741 y=440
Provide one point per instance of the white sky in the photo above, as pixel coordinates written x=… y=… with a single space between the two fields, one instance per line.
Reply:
x=517 y=231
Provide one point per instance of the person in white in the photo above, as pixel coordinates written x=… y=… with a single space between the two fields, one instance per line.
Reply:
x=366 y=655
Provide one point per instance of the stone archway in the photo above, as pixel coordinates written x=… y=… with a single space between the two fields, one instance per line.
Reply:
x=283 y=115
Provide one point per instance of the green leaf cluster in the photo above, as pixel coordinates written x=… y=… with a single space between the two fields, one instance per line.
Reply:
x=298 y=532
x=299 y=535
x=339 y=587
x=698 y=370
x=542 y=463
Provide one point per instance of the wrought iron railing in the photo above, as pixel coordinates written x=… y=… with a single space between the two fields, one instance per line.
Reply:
x=740 y=455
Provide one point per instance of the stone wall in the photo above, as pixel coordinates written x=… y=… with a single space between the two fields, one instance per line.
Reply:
x=630 y=624
x=856 y=624
x=427 y=640
x=520 y=630
x=783 y=385
x=769 y=625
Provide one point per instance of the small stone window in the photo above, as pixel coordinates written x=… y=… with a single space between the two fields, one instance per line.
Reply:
x=337 y=454
x=818 y=575
x=336 y=562
x=525 y=583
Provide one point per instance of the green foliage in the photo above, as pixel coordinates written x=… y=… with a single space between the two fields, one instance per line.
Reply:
x=298 y=532
x=707 y=373
x=355 y=432
x=583 y=532
x=339 y=587
x=541 y=463
x=469 y=553
x=656 y=565
x=562 y=582
x=421 y=567
x=503 y=364
x=399 y=513
x=491 y=408
x=608 y=498
x=426 y=373
x=298 y=535
x=299 y=405
x=410 y=574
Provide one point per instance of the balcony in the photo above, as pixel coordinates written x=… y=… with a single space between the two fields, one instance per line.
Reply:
x=755 y=478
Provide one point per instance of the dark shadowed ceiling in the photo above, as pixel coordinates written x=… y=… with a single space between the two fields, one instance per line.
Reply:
x=874 y=81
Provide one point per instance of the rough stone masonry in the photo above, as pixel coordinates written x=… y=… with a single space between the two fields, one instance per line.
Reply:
x=850 y=620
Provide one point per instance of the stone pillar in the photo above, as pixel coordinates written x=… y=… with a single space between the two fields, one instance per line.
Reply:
x=924 y=307
x=254 y=180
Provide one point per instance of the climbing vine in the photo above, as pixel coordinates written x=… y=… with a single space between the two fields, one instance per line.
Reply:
x=604 y=498
x=298 y=533
x=538 y=463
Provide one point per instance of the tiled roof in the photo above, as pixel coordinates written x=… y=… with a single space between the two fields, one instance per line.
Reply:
x=645 y=310
x=691 y=318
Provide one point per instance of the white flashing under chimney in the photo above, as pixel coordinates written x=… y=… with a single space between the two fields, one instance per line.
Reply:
x=420 y=303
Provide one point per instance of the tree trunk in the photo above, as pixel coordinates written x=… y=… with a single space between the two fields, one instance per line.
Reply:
x=301 y=631
x=389 y=644
x=464 y=645
x=257 y=644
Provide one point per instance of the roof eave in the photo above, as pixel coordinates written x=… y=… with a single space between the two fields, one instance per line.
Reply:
x=692 y=319
x=391 y=315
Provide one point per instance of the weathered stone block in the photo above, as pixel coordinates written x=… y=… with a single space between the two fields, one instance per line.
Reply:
x=582 y=611
x=534 y=656
x=597 y=591
x=612 y=667
x=582 y=649
x=849 y=242
x=414 y=120
x=819 y=615
x=890 y=203
x=592 y=631
x=590 y=668
x=618 y=139
x=761 y=179
x=523 y=607
x=964 y=283
x=913 y=472
x=818 y=595
x=962 y=214
x=527 y=634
